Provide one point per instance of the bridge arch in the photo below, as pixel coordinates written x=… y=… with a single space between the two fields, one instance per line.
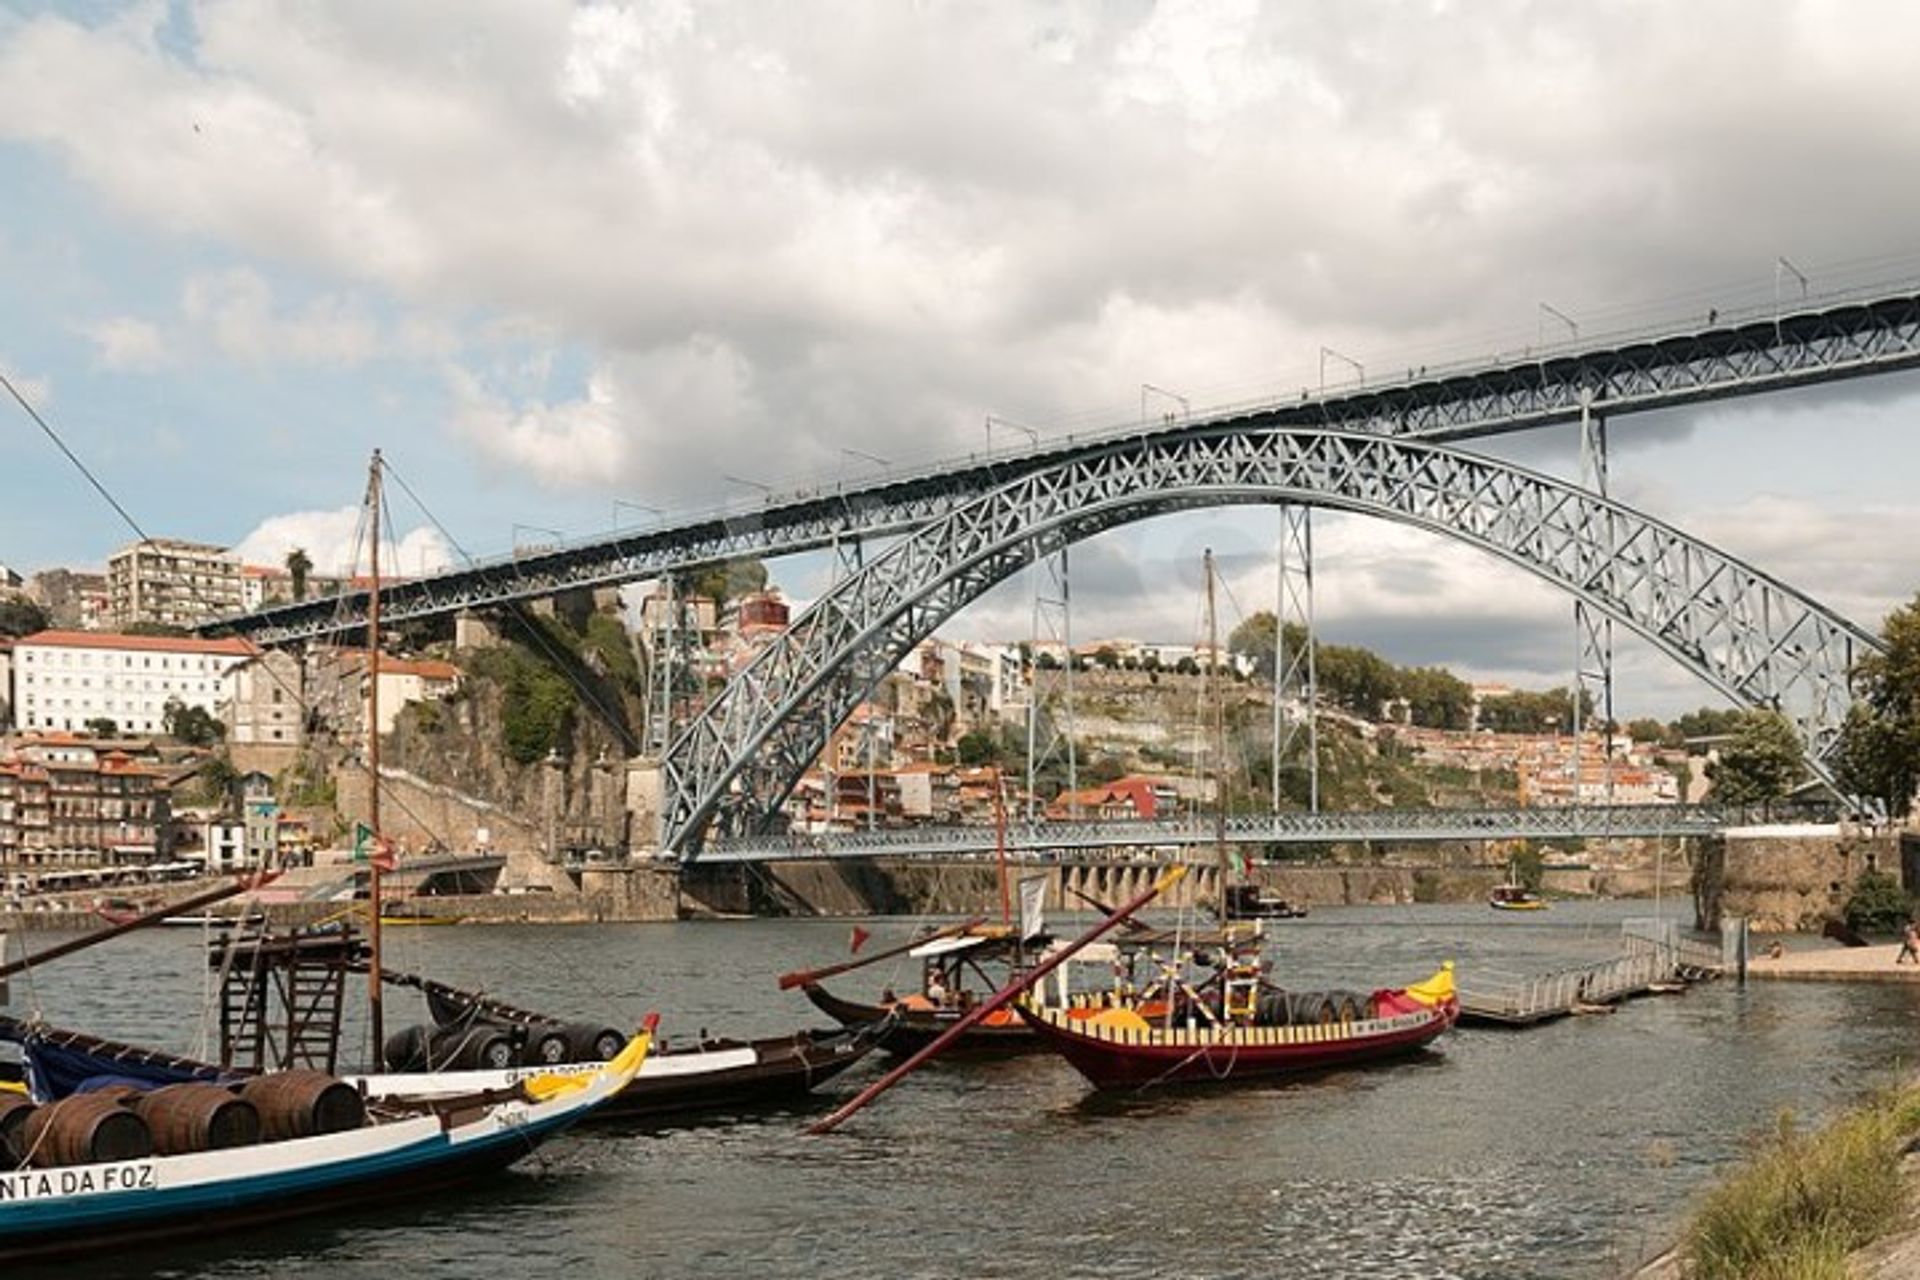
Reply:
x=1757 y=640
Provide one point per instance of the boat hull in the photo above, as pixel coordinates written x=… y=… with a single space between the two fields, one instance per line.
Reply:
x=912 y=1029
x=57 y=1212
x=1113 y=1058
x=716 y=1075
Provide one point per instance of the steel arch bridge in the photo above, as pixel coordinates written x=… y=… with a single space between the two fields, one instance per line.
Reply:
x=1757 y=640
x=1738 y=355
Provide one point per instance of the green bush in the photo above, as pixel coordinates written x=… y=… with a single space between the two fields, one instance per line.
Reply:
x=1878 y=904
x=1806 y=1201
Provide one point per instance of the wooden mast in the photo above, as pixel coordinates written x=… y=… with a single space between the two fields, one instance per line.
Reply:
x=375 y=1022
x=1000 y=845
x=1216 y=729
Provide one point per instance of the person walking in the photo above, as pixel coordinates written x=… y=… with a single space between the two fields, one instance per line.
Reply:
x=1909 y=945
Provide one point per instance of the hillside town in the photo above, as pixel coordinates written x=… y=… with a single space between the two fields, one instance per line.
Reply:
x=127 y=741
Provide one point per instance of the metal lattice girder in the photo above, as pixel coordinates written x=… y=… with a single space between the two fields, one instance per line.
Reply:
x=1390 y=826
x=1651 y=372
x=1753 y=638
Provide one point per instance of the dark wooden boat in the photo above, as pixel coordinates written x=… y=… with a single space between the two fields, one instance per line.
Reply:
x=711 y=1073
x=1117 y=1048
x=905 y=1027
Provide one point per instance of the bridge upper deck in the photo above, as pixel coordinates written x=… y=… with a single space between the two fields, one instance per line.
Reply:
x=1744 y=355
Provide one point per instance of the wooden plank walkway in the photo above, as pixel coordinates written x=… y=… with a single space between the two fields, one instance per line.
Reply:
x=1491 y=998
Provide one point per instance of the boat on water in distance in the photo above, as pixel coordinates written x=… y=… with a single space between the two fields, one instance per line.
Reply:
x=1251 y=902
x=1515 y=897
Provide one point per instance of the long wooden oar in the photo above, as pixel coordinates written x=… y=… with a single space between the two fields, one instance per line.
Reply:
x=801 y=977
x=243 y=885
x=1000 y=999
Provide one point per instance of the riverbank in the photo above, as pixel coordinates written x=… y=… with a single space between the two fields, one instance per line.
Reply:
x=1838 y=1203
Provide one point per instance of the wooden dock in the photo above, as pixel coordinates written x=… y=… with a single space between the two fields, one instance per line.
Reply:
x=1646 y=965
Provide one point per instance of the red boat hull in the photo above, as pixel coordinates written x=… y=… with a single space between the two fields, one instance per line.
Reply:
x=1119 y=1059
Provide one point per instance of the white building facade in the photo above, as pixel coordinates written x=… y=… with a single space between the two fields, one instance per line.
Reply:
x=63 y=679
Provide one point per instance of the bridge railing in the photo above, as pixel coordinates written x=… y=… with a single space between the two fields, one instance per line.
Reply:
x=1042 y=839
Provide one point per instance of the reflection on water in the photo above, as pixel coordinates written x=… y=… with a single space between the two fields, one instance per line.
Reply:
x=1566 y=1151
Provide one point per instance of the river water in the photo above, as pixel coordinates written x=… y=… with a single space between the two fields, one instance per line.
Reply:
x=1570 y=1150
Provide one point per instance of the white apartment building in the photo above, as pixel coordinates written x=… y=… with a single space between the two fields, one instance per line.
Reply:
x=174 y=583
x=63 y=679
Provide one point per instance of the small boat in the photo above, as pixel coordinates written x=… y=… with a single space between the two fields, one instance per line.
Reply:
x=1250 y=902
x=959 y=966
x=117 y=1168
x=1118 y=1048
x=403 y=913
x=1515 y=897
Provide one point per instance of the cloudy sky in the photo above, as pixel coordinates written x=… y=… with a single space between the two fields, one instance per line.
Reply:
x=550 y=255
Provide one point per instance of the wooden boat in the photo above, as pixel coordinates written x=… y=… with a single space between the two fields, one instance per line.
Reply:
x=1117 y=1048
x=709 y=1074
x=904 y=1027
x=1250 y=902
x=53 y=1207
x=1515 y=897
x=959 y=966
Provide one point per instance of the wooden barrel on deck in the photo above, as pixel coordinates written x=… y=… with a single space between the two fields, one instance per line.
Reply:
x=593 y=1042
x=87 y=1128
x=14 y=1110
x=185 y=1118
x=301 y=1104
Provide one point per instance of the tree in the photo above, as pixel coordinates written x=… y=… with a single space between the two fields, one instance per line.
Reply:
x=1760 y=761
x=1646 y=729
x=1877 y=904
x=21 y=618
x=1707 y=722
x=194 y=726
x=1254 y=638
x=1105 y=658
x=1879 y=749
x=976 y=748
x=299 y=565
x=724 y=582
x=1436 y=698
x=102 y=727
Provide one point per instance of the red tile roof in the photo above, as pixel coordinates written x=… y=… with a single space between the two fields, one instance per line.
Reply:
x=231 y=646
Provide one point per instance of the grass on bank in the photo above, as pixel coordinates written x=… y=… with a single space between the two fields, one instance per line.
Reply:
x=1807 y=1200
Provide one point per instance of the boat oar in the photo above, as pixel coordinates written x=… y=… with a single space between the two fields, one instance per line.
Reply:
x=1000 y=999
x=244 y=884
x=801 y=977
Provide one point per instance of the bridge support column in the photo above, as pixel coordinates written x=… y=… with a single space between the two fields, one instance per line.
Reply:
x=1294 y=679
x=1593 y=630
x=1050 y=692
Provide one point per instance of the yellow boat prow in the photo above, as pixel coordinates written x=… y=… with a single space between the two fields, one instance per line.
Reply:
x=1436 y=990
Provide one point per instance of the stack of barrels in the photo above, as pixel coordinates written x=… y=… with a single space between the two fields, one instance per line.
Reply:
x=123 y=1122
x=478 y=1044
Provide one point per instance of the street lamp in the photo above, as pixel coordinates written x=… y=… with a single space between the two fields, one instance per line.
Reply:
x=1783 y=267
x=1347 y=360
x=1186 y=410
x=863 y=454
x=637 y=506
x=765 y=489
x=1547 y=310
x=1008 y=422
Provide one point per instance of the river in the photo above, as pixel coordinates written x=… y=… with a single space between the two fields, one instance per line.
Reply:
x=1570 y=1150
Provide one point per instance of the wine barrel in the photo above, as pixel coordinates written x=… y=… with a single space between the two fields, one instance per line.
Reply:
x=197 y=1116
x=87 y=1128
x=548 y=1045
x=406 y=1049
x=301 y=1104
x=14 y=1110
x=477 y=1046
x=593 y=1042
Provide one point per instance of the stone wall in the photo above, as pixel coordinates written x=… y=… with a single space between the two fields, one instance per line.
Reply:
x=1794 y=878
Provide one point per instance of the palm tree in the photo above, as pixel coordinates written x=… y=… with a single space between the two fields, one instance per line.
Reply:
x=299 y=566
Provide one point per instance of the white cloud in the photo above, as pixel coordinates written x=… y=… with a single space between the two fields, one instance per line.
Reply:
x=329 y=539
x=37 y=391
x=128 y=344
x=236 y=310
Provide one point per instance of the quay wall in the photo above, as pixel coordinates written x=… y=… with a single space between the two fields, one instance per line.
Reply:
x=1793 y=878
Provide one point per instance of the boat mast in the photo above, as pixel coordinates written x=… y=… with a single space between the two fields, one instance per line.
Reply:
x=1000 y=844
x=1217 y=746
x=374 y=1020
